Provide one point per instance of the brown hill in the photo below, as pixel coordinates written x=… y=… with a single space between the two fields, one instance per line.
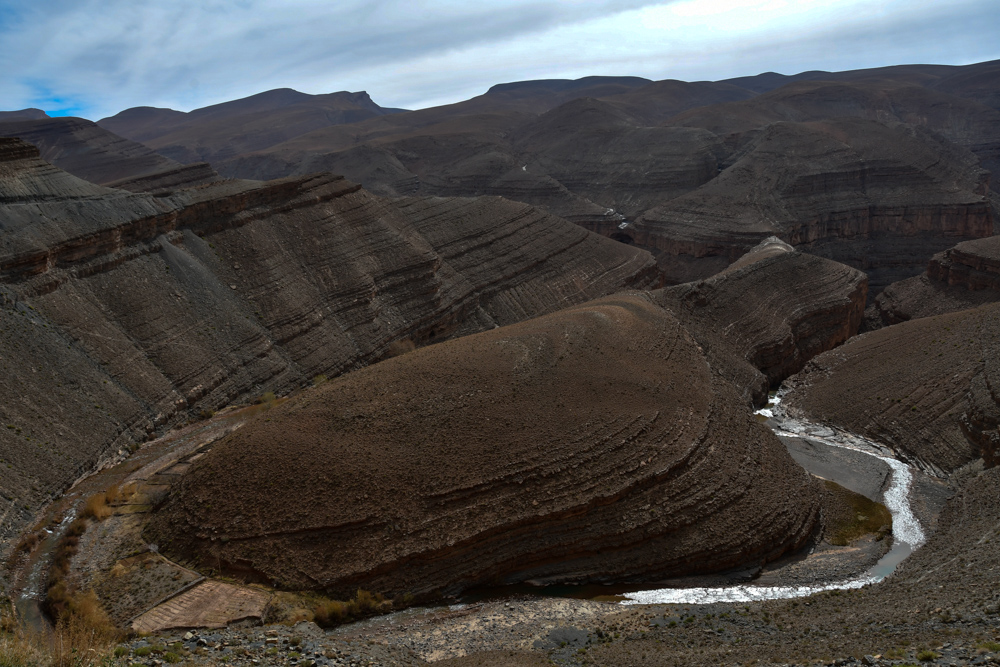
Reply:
x=962 y=121
x=126 y=313
x=591 y=444
x=218 y=132
x=771 y=311
x=965 y=276
x=23 y=114
x=923 y=387
x=83 y=149
x=880 y=197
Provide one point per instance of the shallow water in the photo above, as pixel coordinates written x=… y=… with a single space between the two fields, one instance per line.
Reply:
x=907 y=533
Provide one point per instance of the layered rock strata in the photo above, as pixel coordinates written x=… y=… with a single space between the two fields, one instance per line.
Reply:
x=965 y=276
x=591 y=444
x=125 y=313
x=94 y=154
x=772 y=310
x=882 y=198
x=927 y=387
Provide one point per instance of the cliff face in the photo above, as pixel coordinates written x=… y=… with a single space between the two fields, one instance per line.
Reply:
x=965 y=276
x=124 y=313
x=591 y=444
x=772 y=310
x=881 y=198
x=926 y=387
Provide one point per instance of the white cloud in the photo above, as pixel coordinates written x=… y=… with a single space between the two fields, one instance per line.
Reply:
x=100 y=56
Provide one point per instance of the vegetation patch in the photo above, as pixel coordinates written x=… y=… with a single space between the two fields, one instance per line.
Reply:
x=851 y=516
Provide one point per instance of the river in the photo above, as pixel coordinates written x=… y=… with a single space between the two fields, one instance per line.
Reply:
x=908 y=535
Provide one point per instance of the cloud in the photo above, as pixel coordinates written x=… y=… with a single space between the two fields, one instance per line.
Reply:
x=98 y=57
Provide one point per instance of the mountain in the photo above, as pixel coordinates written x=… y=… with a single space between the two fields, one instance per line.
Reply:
x=84 y=149
x=127 y=313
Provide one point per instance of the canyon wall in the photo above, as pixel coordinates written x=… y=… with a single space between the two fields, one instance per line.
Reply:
x=126 y=313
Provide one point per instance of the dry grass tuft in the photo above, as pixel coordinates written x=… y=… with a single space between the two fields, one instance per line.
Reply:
x=96 y=507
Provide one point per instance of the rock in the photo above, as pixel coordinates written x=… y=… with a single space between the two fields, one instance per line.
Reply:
x=97 y=286
x=921 y=387
x=94 y=154
x=188 y=636
x=965 y=276
x=439 y=454
x=842 y=189
x=771 y=311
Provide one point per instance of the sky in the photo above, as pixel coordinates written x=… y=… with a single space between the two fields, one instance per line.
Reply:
x=94 y=58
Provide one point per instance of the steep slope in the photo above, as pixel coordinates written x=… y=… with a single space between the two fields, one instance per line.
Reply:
x=965 y=276
x=83 y=149
x=771 y=311
x=590 y=444
x=879 y=197
x=126 y=313
x=926 y=387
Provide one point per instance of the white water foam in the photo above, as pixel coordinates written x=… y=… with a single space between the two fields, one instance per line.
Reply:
x=906 y=531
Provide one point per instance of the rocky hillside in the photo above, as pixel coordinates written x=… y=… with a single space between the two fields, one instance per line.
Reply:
x=125 y=313
x=877 y=196
x=965 y=276
x=83 y=149
x=771 y=311
x=466 y=464
x=926 y=387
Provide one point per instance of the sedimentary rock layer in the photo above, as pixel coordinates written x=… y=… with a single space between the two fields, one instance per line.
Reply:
x=772 y=310
x=879 y=197
x=125 y=313
x=926 y=387
x=92 y=153
x=965 y=276
x=591 y=444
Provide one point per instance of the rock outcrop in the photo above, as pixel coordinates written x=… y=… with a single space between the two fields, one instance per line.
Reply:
x=772 y=310
x=926 y=387
x=965 y=276
x=125 y=313
x=880 y=197
x=92 y=153
x=590 y=444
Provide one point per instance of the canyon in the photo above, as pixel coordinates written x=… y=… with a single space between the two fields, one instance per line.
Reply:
x=513 y=341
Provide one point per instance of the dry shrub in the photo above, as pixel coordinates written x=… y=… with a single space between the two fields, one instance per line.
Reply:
x=27 y=543
x=112 y=494
x=16 y=650
x=128 y=491
x=96 y=507
x=330 y=613
x=84 y=633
